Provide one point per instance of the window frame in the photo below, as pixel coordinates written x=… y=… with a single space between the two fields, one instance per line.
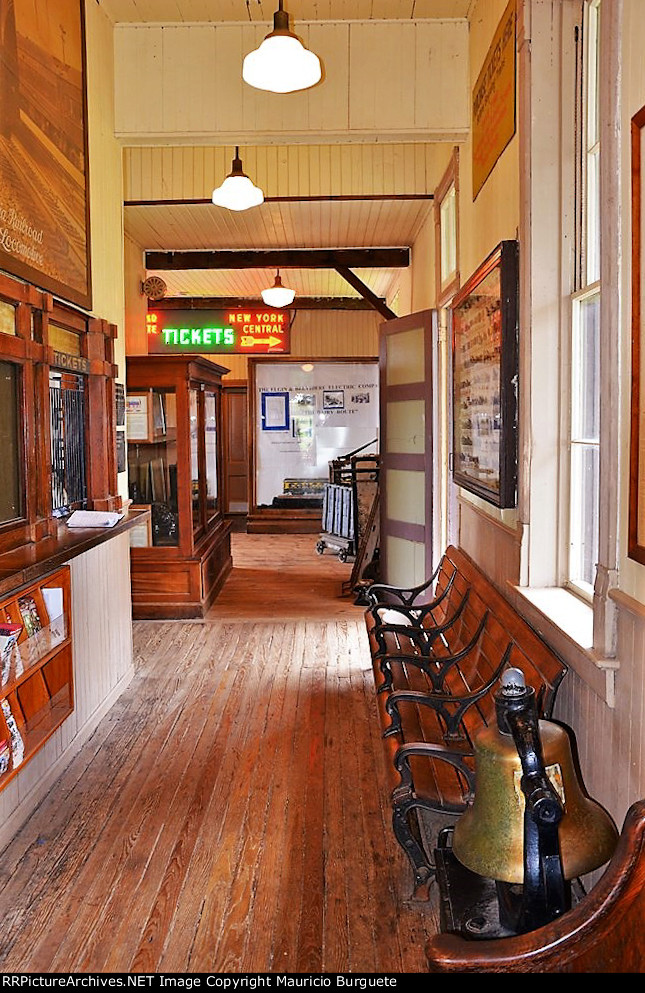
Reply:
x=450 y=179
x=586 y=144
x=30 y=348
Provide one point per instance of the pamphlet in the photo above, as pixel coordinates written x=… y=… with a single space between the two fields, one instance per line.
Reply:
x=93 y=519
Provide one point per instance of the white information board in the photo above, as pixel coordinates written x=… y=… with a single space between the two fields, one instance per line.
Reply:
x=307 y=415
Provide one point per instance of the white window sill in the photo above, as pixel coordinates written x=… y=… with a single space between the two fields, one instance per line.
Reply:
x=566 y=624
x=564 y=609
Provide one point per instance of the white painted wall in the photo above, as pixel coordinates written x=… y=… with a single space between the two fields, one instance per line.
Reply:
x=391 y=80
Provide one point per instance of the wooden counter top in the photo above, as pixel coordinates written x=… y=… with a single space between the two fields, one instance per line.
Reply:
x=30 y=562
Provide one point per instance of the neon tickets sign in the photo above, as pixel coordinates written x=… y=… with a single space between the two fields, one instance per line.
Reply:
x=240 y=331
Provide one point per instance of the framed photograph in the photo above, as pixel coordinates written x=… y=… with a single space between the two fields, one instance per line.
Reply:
x=333 y=399
x=484 y=382
x=44 y=194
x=636 y=526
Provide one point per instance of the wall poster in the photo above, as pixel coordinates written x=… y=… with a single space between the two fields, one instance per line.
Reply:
x=44 y=202
x=484 y=402
x=307 y=413
x=493 y=102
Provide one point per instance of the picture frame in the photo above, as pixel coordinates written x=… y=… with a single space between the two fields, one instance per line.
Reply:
x=636 y=516
x=44 y=177
x=484 y=317
x=275 y=411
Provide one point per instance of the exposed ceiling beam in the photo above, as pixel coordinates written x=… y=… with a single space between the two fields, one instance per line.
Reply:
x=230 y=303
x=287 y=258
x=376 y=302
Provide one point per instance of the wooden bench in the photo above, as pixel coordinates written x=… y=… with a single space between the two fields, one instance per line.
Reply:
x=603 y=933
x=436 y=678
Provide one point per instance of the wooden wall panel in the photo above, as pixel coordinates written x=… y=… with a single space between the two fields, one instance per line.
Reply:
x=494 y=545
x=186 y=80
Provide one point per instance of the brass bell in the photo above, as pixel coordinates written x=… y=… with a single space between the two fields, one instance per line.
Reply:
x=489 y=836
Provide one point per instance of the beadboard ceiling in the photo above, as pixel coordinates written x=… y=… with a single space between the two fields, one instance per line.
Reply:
x=318 y=224
x=277 y=225
x=187 y=11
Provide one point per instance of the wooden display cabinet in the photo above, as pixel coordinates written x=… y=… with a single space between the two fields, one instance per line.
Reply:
x=37 y=692
x=175 y=467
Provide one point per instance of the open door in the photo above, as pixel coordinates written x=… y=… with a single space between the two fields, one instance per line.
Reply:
x=410 y=517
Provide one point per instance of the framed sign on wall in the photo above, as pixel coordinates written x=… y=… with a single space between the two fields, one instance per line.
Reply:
x=44 y=201
x=485 y=379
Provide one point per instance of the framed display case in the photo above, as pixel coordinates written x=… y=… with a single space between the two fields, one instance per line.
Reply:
x=175 y=467
x=485 y=370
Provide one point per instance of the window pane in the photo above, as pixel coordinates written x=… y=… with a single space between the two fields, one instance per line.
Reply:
x=448 y=222
x=67 y=422
x=7 y=318
x=210 y=417
x=64 y=340
x=583 y=531
x=11 y=488
x=585 y=369
x=592 y=268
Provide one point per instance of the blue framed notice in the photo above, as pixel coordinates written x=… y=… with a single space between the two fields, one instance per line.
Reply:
x=275 y=411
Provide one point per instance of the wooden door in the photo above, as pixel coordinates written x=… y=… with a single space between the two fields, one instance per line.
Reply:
x=236 y=449
x=410 y=523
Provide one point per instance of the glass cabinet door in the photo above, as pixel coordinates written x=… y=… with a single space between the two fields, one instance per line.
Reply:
x=196 y=434
x=210 y=427
x=152 y=465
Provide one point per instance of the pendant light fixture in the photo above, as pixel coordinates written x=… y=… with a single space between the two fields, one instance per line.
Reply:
x=237 y=192
x=281 y=64
x=278 y=295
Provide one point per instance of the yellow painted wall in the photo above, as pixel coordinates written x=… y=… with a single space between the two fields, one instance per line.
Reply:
x=494 y=215
x=106 y=186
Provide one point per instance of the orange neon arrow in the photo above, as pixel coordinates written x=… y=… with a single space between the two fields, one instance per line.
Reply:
x=248 y=341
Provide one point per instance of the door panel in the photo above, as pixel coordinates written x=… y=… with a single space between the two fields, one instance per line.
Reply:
x=408 y=347
x=236 y=456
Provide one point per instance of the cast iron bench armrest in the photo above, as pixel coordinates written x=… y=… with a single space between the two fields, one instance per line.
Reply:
x=443 y=753
x=419 y=635
x=406 y=594
x=408 y=610
x=441 y=703
x=434 y=666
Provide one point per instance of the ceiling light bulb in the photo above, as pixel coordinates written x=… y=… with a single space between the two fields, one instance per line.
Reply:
x=278 y=295
x=281 y=64
x=237 y=192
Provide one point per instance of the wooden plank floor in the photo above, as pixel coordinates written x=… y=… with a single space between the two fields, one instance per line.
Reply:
x=229 y=813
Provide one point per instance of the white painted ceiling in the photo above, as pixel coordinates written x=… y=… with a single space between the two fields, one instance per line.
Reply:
x=327 y=224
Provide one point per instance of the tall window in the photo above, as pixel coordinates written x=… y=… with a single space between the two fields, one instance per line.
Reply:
x=584 y=426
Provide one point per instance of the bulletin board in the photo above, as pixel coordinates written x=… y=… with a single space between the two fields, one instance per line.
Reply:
x=308 y=412
x=485 y=379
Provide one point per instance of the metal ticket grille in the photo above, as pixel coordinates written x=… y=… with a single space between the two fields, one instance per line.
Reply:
x=67 y=422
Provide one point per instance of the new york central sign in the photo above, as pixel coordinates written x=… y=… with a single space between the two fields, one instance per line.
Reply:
x=241 y=331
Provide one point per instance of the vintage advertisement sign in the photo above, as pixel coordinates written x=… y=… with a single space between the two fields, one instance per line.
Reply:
x=44 y=226
x=493 y=108
x=245 y=330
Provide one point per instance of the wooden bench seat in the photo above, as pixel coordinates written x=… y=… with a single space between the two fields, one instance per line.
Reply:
x=436 y=682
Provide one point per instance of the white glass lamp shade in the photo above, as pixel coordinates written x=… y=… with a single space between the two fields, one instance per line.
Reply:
x=237 y=192
x=278 y=295
x=281 y=64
